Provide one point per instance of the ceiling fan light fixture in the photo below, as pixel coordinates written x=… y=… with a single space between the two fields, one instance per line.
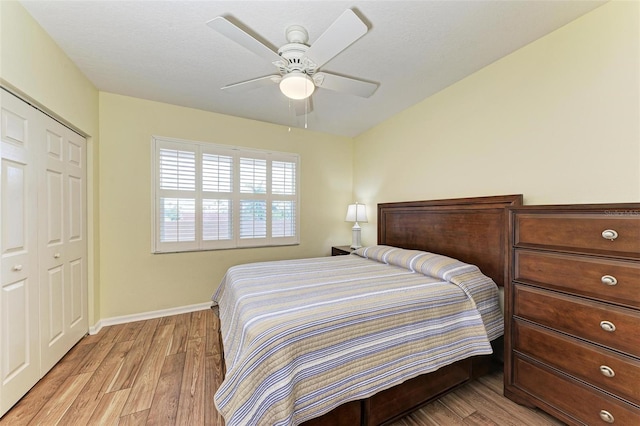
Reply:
x=297 y=85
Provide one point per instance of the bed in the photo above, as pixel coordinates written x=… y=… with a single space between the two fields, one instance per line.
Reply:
x=317 y=341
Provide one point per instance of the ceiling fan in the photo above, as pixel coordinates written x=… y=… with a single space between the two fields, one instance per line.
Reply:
x=298 y=63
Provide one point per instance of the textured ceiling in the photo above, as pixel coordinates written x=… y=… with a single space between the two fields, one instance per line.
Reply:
x=164 y=51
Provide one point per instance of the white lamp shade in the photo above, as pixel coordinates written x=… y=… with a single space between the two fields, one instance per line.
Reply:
x=356 y=213
x=297 y=85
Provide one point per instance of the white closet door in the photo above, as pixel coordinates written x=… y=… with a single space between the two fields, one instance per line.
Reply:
x=19 y=296
x=43 y=245
x=63 y=242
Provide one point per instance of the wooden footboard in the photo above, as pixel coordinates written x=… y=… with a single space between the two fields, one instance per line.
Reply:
x=396 y=402
x=223 y=364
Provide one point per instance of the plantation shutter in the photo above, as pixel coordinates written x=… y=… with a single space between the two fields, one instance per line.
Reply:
x=253 y=200
x=211 y=196
x=217 y=198
x=284 y=208
x=177 y=197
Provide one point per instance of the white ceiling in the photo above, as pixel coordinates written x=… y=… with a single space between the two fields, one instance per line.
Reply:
x=164 y=51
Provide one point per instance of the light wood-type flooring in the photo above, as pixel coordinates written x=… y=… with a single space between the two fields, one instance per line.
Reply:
x=165 y=371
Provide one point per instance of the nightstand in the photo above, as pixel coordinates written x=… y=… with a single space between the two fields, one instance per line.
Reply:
x=341 y=250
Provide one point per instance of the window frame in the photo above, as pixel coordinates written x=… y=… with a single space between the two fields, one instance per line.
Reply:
x=236 y=152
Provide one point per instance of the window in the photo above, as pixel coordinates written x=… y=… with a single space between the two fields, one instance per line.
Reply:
x=209 y=197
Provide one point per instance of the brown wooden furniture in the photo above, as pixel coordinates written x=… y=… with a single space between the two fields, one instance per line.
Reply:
x=473 y=230
x=341 y=250
x=572 y=306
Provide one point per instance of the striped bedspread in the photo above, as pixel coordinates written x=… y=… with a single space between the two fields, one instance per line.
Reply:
x=302 y=337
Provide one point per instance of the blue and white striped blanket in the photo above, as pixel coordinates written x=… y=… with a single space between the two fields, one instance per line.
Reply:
x=302 y=337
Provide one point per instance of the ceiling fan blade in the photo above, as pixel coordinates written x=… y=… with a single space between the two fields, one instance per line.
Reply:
x=341 y=34
x=255 y=83
x=234 y=33
x=303 y=106
x=341 y=84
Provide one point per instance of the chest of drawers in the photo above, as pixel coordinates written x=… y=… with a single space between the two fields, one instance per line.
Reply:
x=572 y=312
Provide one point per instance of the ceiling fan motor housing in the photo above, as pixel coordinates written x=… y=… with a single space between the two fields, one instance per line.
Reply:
x=295 y=59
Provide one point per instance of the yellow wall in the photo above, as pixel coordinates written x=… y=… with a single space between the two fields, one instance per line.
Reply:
x=33 y=66
x=558 y=121
x=132 y=279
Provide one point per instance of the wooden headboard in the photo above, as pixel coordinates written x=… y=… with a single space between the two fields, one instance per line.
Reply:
x=473 y=230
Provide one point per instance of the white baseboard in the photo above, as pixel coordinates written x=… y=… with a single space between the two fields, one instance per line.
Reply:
x=147 y=315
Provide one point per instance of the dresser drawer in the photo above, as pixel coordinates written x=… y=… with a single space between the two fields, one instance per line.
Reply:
x=579 y=232
x=582 y=318
x=574 y=399
x=601 y=278
x=603 y=368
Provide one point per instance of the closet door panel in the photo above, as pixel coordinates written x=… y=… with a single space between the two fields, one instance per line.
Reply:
x=14 y=207
x=17 y=355
x=76 y=240
x=63 y=245
x=54 y=208
x=75 y=215
x=53 y=312
x=54 y=342
x=76 y=235
x=19 y=338
x=77 y=307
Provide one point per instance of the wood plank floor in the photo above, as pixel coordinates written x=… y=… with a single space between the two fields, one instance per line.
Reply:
x=165 y=371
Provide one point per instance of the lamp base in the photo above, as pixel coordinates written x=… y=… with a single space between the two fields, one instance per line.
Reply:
x=355 y=237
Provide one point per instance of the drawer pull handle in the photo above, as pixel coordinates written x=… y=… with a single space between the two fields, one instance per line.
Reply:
x=607 y=326
x=56 y=255
x=17 y=268
x=606 y=416
x=609 y=234
x=607 y=371
x=609 y=280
